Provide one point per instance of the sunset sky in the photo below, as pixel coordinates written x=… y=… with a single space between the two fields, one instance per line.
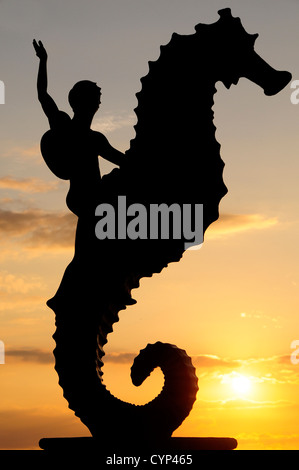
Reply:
x=233 y=305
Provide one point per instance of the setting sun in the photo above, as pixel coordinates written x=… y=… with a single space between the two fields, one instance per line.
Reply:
x=233 y=304
x=237 y=383
x=241 y=384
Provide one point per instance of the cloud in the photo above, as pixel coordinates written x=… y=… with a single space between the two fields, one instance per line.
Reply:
x=37 y=228
x=210 y=361
x=230 y=224
x=266 y=441
x=273 y=371
x=29 y=185
x=241 y=403
x=22 y=428
x=30 y=355
x=198 y=361
x=109 y=123
x=46 y=357
x=20 y=295
x=267 y=320
x=258 y=370
x=11 y=284
x=31 y=152
x=120 y=358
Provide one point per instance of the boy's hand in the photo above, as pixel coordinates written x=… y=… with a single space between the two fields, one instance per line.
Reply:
x=40 y=50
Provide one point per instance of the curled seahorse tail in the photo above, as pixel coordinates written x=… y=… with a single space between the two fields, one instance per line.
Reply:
x=168 y=410
x=88 y=396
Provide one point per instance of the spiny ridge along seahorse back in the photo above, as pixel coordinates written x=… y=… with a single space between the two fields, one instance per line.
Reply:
x=173 y=159
x=87 y=306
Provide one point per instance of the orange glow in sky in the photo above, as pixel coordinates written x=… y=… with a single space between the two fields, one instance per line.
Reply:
x=233 y=305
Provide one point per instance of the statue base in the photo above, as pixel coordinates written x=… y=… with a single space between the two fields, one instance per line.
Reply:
x=172 y=445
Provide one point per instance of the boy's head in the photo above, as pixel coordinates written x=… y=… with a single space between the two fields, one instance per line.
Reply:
x=85 y=96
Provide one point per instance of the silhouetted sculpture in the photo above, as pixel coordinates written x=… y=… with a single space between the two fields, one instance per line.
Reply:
x=70 y=148
x=174 y=158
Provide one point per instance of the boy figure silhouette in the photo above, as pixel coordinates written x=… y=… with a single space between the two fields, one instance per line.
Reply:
x=71 y=148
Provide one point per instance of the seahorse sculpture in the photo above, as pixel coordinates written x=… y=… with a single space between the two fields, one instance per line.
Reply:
x=174 y=158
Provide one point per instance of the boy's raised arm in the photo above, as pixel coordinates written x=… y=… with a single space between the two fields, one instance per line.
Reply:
x=48 y=104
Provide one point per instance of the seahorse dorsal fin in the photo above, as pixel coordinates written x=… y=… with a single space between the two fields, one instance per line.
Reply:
x=201 y=27
x=225 y=12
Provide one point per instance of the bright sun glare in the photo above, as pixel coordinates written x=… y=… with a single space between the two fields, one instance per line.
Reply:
x=241 y=384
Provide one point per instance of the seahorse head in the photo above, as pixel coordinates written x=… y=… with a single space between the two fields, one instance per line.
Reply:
x=233 y=51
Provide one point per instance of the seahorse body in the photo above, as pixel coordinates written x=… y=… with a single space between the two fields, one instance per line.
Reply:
x=174 y=158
